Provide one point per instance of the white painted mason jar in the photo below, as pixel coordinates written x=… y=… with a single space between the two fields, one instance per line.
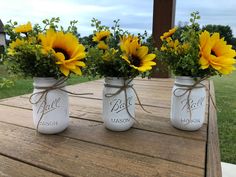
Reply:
x=50 y=115
x=187 y=114
x=115 y=115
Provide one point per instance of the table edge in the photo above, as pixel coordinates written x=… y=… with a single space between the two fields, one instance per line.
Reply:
x=213 y=160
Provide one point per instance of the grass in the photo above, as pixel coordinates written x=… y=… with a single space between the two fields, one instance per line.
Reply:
x=24 y=86
x=225 y=88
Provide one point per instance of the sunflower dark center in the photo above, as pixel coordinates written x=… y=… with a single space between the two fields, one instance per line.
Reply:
x=62 y=51
x=135 y=61
x=213 y=53
x=103 y=38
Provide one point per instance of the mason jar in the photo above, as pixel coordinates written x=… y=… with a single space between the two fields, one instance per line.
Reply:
x=118 y=110
x=50 y=110
x=187 y=107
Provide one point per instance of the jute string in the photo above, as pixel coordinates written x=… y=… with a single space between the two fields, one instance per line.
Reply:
x=44 y=93
x=188 y=89
x=124 y=87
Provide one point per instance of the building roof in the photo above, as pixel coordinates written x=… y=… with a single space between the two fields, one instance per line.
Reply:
x=1 y=27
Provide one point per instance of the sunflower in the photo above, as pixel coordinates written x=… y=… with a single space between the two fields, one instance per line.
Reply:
x=126 y=41
x=137 y=56
x=101 y=36
x=174 y=44
x=216 y=53
x=102 y=45
x=23 y=28
x=168 y=34
x=67 y=50
x=13 y=45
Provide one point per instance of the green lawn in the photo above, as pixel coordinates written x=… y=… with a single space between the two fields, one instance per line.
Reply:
x=225 y=88
x=23 y=86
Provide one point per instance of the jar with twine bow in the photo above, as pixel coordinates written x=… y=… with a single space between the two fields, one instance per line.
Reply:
x=119 y=57
x=193 y=55
x=49 y=56
x=118 y=104
x=188 y=103
x=50 y=105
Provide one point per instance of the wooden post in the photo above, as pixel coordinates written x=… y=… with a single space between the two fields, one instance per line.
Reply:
x=163 y=20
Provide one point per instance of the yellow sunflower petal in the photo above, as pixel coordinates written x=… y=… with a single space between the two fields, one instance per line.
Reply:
x=70 y=65
x=77 y=71
x=149 y=57
x=23 y=28
x=204 y=63
x=125 y=58
x=168 y=34
x=204 y=37
x=64 y=70
x=102 y=45
x=60 y=56
x=80 y=63
x=79 y=52
x=144 y=68
x=142 y=51
x=150 y=63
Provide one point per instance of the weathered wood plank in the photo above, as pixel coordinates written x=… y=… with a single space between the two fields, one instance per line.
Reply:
x=158 y=121
x=150 y=93
x=77 y=158
x=14 y=168
x=213 y=162
x=173 y=148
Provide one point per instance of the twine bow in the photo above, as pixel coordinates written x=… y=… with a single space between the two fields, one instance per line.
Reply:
x=124 y=88
x=188 y=89
x=45 y=90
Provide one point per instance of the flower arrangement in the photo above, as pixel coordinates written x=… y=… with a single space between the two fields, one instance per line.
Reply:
x=117 y=53
x=44 y=52
x=188 y=51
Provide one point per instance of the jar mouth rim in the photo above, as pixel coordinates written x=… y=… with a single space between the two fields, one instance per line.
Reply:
x=186 y=77
x=119 y=81
x=110 y=77
x=44 y=78
x=116 y=78
x=46 y=82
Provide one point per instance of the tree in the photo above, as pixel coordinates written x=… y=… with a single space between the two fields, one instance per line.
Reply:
x=233 y=43
x=87 y=40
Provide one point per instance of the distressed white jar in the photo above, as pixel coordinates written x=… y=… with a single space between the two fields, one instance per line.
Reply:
x=55 y=114
x=186 y=116
x=115 y=115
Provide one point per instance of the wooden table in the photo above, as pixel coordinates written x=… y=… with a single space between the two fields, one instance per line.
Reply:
x=86 y=148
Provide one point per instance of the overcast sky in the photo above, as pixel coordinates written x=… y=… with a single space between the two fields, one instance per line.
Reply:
x=135 y=15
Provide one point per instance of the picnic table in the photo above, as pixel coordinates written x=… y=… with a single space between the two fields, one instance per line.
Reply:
x=86 y=148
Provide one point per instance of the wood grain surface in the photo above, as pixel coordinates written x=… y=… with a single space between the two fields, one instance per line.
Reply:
x=86 y=148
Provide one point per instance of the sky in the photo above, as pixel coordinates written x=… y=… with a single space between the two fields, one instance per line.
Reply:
x=135 y=15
